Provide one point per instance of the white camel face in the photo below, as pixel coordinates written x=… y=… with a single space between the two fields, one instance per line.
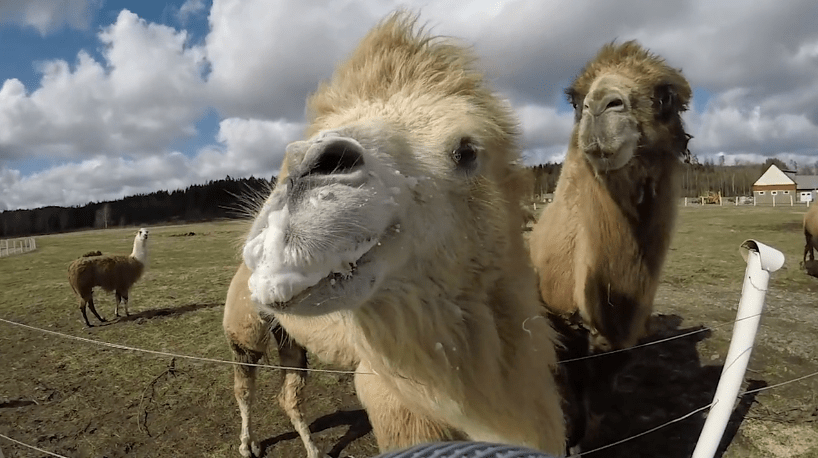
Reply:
x=608 y=132
x=359 y=207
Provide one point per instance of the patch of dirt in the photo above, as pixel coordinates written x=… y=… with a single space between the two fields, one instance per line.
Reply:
x=163 y=414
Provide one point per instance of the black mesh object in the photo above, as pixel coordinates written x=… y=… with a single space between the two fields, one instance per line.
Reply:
x=465 y=450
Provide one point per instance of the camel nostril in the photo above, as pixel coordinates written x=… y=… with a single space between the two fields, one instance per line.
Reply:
x=337 y=157
x=617 y=102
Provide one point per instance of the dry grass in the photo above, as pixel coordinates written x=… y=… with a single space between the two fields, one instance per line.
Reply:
x=80 y=400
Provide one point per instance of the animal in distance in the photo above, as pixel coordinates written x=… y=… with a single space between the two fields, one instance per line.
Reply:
x=115 y=273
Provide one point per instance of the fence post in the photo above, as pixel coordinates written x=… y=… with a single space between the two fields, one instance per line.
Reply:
x=762 y=260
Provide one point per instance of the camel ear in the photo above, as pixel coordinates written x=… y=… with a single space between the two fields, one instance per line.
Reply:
x=666 y=102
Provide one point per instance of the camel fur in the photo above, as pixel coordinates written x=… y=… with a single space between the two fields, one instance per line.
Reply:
x=600 y=246
x=811 y=232
x=398 y=220
x=248 y=335
x=811 y=236
x=115 y=273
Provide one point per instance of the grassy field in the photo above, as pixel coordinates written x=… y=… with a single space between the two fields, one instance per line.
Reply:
x=82 y=400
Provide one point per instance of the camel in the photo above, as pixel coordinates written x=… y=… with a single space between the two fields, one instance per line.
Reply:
x=394 y=238
x=248 y=334
x=811 y=236
x=600 y=246
x=811 y=232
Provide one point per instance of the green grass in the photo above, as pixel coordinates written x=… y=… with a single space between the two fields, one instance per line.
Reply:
x=96 y=393
x=90 y=399
x=705 y=248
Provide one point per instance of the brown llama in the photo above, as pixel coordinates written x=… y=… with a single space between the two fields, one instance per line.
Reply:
x=394 y=236
x=115 y=273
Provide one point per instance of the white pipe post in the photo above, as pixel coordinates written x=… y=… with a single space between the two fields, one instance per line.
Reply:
x=761 y=261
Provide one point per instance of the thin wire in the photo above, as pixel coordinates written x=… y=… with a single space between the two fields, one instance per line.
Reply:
x=124 y=347
x=643 y=433
x=765 y=388
x=654 y=342
x=32 y=447
x=163 y=353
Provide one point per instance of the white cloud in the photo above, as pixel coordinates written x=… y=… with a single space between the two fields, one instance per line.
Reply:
x=249 y=147
x=190 y=8
x=246 y=147
x=148 y=92
x=48 y=15
x=267 y=56
x=756 y=62
x=545 y=133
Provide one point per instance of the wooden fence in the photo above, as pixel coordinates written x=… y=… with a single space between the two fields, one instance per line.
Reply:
x=17 y=246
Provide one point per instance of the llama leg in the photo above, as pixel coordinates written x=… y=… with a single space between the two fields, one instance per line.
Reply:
x=93 y=309
x=244 y=384
x=291 y=354
x=83 y=304
x=396 y=426
x=125 y=303
x=121 y=297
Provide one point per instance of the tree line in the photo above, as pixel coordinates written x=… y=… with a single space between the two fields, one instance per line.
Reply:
x=217 y=199
x=697 y=178
x=226 y=198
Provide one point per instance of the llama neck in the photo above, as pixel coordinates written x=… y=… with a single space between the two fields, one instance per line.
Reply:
x=140 y=251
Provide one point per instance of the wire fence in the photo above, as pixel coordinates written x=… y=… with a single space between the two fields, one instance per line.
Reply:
x=330 y=371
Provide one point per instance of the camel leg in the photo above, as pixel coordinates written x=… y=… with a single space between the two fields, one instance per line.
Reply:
x=93 y=310
x=291 y=354
x=394 y=425
x=244 y=384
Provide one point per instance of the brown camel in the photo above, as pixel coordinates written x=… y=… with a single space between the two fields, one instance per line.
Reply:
x=811 y=236
x=600 y=246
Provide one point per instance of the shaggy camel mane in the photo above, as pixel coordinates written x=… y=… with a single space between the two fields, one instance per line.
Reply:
x=599 y=247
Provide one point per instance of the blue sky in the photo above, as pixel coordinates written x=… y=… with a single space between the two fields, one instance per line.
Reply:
x=140 y=96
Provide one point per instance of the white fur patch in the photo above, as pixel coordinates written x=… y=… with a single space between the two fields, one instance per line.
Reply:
x=277 y=276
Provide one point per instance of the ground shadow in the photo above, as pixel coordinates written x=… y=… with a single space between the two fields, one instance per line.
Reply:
x=357 y=421
x=663 y=382
x=164 y=312
x=15 y=403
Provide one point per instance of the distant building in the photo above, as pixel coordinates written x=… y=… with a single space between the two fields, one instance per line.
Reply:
x=784 y=187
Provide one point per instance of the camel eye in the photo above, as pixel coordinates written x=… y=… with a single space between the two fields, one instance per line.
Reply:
x=465 y=155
